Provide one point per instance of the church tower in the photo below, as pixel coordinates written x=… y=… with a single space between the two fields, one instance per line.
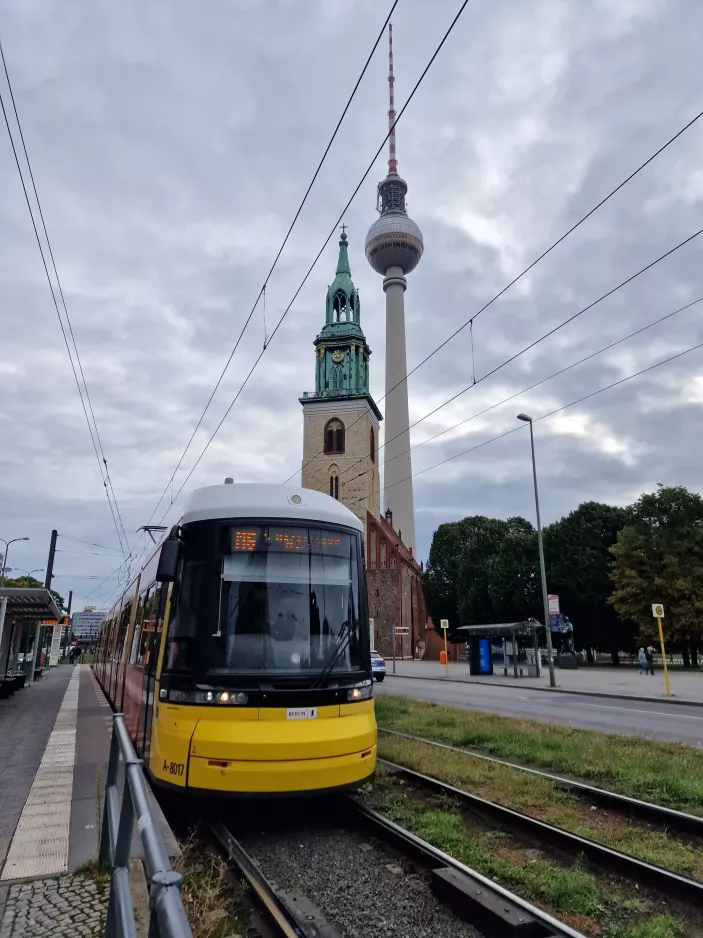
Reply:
x=341 y=419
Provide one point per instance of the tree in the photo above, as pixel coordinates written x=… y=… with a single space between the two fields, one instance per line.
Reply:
x=441 y=577
x=658 y=557
x=29 y=582
x=578 y=561
x=515 y=585
x=477 y=596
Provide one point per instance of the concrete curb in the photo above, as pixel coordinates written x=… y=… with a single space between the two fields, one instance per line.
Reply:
x=680 y=701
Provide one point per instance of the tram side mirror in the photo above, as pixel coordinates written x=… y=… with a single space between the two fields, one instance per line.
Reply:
x=168 y=561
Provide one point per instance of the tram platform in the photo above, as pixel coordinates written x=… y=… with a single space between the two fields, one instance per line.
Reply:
x=54 y=745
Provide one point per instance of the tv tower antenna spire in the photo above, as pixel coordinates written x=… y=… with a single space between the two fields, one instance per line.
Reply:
x=394 y=247
x=392 y=161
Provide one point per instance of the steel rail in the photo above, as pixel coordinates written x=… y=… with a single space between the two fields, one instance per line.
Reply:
x=685 y=823
x=632 y=868
x=478 y=900
x=277 y=913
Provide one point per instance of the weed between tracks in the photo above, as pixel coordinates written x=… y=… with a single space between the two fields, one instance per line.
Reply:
x=539 y=798
x=212 y=904
x=592 y=902
x=670 y=774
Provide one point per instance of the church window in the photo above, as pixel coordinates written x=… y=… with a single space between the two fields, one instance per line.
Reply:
x=393 y=559
x=351 y=308
x=372 y=445
x=337 y=378
x=383 y=553
x=339 y=306
x=334 y=436
x=334 y=485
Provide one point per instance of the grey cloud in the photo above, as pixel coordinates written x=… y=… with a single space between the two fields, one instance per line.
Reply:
x=171 y=145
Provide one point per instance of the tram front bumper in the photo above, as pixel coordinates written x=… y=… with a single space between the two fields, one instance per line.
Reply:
x=276 y=754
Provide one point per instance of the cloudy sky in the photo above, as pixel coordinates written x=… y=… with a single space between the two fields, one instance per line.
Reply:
x=171 y=143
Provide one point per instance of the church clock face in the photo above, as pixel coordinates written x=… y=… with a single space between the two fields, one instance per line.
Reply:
x=337 y=356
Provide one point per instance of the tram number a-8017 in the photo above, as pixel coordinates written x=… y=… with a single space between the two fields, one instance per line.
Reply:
x=174 y=768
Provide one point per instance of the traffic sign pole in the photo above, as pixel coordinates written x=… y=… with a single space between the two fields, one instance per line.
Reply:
x=658 y=613
x=444 y=623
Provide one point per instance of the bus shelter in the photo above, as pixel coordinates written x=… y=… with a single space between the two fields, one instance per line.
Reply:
x=480 y=638
x=22 y=613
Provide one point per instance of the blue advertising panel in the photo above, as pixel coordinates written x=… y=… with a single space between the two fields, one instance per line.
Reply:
x=485 y=665
x=555 y=623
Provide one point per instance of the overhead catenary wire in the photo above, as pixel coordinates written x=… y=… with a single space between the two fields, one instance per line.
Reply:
x=531 y=387
x=58 y=313
x=107 y=481
x=262 y=293
x=558 y=410
x=78 y=540
x=469 y=322
x=317 y=257
x=533 y=344
x=320 y=252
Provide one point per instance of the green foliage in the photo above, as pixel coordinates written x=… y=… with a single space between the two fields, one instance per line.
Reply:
x=658 y=557
x=29 y=582
x=578 y=560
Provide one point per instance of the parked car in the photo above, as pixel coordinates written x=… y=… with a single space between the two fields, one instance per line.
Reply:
x=378 y=666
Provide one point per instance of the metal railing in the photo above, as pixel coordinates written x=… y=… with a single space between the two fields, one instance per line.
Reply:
x=167 y=915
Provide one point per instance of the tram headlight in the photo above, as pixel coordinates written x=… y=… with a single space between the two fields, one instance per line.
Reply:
x=361 y=692
x=225 y=697
x=209 y=696
x=241 y=698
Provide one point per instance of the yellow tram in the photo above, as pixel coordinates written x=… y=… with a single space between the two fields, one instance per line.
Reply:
x=240 y=655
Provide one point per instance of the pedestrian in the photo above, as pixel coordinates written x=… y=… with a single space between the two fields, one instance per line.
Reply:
x=649 y=657
x=643 y=661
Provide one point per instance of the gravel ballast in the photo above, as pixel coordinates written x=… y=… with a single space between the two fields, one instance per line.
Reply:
x=360 y=887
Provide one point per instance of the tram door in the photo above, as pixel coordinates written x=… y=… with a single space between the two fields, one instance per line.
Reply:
x=151 y=658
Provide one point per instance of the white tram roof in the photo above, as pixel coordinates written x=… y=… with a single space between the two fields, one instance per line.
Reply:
x=256 y=500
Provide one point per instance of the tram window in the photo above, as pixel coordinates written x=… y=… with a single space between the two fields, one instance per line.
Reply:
x=259 y=598
x=121 y=636
x=147 y=642
x=137 y=628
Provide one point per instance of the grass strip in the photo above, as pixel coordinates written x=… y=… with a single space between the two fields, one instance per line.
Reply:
x=212 y=906
x=670 y=774
x=595 y=905
x=539 y=798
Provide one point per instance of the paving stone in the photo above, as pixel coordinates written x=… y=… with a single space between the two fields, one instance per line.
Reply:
x=83 y=917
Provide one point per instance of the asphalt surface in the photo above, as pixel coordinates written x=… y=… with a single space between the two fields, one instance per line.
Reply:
x=628 y=717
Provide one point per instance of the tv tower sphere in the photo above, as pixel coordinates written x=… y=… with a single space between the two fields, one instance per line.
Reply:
x=394 y=239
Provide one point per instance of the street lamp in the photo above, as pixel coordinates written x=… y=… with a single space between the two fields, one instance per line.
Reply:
x=28 y=573
x=7 y=550
x=545 y=599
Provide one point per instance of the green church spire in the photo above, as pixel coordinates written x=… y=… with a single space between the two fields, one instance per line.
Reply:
x=342 y=360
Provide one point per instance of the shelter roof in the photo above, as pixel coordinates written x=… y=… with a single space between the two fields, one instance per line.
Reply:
x=29 y=603
x=501 y=629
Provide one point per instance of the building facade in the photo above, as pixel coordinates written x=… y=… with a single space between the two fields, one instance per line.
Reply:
x=86 y=625
x=396 y=598
x=340 y=418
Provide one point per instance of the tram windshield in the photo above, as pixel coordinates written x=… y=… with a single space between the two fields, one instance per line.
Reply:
x=268 y=598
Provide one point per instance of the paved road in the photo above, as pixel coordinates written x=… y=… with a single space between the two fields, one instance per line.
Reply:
x=628 y=717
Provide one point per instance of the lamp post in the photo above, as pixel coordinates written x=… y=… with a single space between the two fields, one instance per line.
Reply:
x=28 y=573
x=7 y=551
x=545 y=599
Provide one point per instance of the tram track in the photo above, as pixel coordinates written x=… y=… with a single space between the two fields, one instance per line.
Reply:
x=690 y=825
x=349 y=872
x=629 y=867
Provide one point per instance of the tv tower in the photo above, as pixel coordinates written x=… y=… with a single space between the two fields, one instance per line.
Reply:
x=393 y=248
